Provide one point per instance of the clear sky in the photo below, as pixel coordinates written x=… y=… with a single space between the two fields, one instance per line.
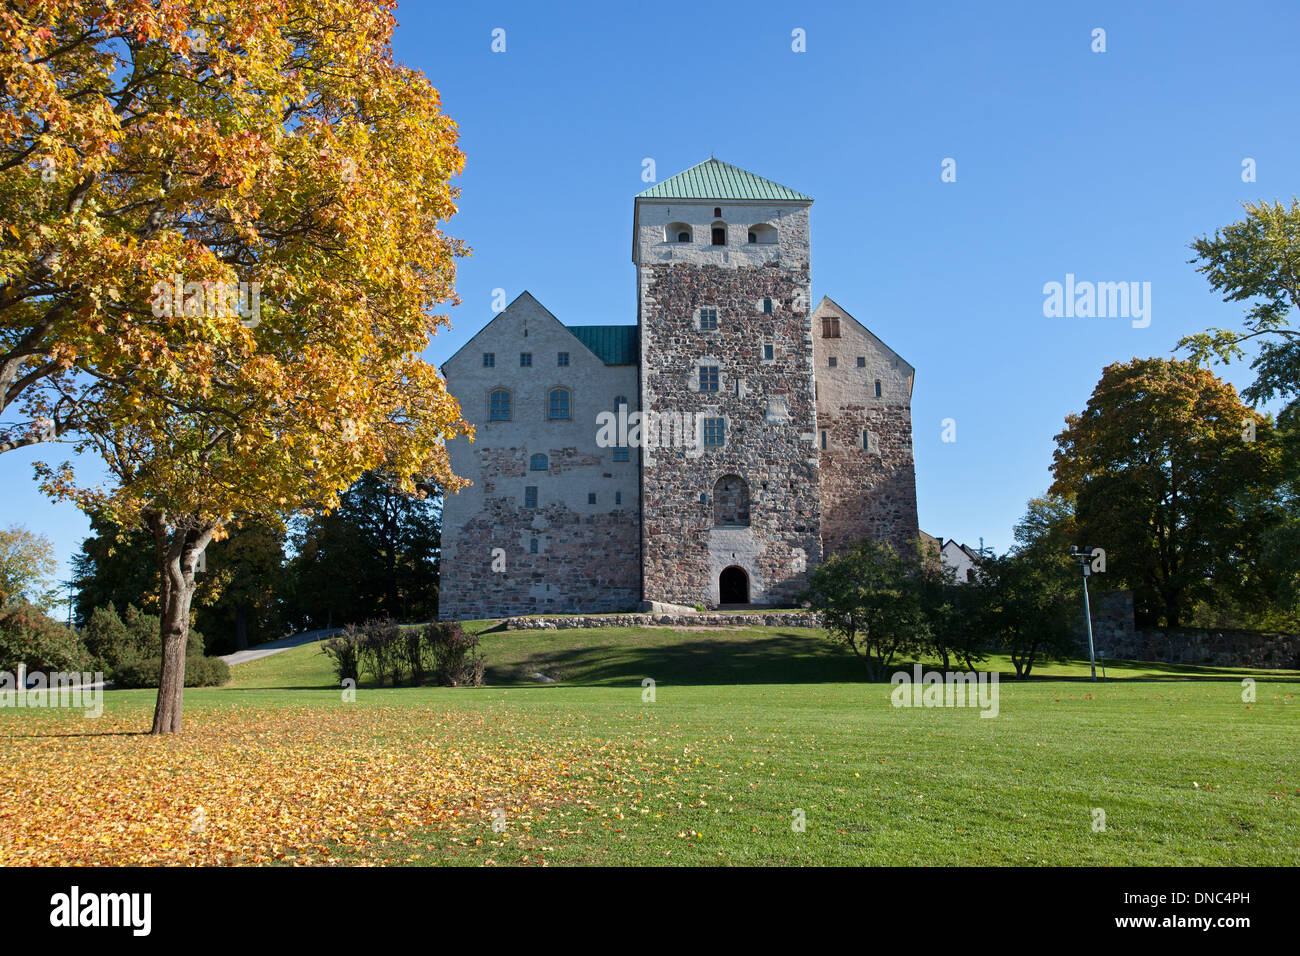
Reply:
x=1100 y=165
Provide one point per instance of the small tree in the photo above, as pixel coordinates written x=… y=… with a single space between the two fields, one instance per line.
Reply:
x=26 y=568
x=870 y=601
x=1030 y=609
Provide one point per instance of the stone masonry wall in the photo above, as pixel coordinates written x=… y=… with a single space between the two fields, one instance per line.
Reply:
x=867 y=493
x=683 y=553
x=586 y=557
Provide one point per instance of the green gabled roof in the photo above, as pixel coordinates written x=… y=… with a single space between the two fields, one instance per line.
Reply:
x=714 y=179
x=613 y=344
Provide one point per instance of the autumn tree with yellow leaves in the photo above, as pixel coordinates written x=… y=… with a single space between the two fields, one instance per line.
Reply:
x=221 y=247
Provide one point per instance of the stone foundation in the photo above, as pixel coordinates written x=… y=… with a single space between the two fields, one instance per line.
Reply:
x=797 y=619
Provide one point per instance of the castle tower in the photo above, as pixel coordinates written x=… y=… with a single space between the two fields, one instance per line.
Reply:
x=730 y=510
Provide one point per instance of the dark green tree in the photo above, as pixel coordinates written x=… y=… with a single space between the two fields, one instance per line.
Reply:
x=375 y=556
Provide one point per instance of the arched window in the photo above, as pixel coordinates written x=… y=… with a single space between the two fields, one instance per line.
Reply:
x=678 y=232
x=731 y=502
x=558 y=409
x=538 y=463
x=719 y=233
x=500 y=406
x=762 y=234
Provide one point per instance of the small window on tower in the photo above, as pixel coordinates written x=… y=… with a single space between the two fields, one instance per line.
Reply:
x=715 y=431
x=537 y=463
x=532 y=546
x=767 y=304
x=832 y=361
x=525 y=359
x=830 y=326
x=561 y=358
x=489 y=359
x=591 y=497
x=717 y=212
x=862 y=361
x=708 y=378
x=719 y=234
x=877 y=388
x=708 y=320
x=769 y=352
x=823 y=439
x=530 y=496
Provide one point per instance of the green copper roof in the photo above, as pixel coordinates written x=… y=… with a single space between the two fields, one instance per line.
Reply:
x=613 y=344
x=714 y=179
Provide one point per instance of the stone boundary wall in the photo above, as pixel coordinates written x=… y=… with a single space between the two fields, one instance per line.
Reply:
x=1214 y=648
x=664 y=620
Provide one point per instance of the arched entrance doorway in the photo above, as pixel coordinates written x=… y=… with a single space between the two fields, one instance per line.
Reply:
x=733 y=586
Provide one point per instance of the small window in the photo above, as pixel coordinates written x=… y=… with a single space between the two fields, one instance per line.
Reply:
x=708 y=320
x=769 y=352
x=500 y=409
x=862 y=361
x=525 y=359
x=708 y=378
x=877 y=388
x=719 y=235
x=489 y=359
x=717 y=212
x=823 y=439
x=559 y=405
x=530 y=496
x=532 y=546
x=830 y=326
x=832 y=361
x=866 y=440
x=677 y=232
x=591 y=497
x=767 y=304
x=621 y=453
x=538 y=463
x=715 y=432
x=618 y=497
x=562 y=359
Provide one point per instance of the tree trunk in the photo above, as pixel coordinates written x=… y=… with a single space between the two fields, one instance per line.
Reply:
x=178 y=550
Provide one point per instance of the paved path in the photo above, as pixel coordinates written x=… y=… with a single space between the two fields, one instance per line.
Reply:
x=275 y=647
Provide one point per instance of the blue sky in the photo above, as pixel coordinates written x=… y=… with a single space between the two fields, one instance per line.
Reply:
x=1103 y=165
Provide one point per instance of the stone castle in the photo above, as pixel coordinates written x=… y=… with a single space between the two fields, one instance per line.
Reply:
x=711 y=454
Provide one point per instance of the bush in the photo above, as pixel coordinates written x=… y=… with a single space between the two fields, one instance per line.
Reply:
x=199 y=672
x=383 y=652
x=344 y=651
x=116 y=643
x=29 y=637
x=457 y=659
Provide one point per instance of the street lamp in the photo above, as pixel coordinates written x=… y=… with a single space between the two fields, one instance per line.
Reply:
x=1084 y=557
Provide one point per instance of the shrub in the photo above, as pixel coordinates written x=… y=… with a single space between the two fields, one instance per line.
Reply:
x=199 y=672
x=344 y=651
x=456 y=657
x=382 y=654
x=29 y=637
x=116 y=642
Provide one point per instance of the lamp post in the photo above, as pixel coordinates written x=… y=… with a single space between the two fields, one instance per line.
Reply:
x=1084 y=557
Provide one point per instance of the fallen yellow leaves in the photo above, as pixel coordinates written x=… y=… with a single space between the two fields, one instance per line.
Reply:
x=251 y=786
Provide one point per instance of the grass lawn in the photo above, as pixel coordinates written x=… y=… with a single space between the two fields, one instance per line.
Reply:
x=750 y=730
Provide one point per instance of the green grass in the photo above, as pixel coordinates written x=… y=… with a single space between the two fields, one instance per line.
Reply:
x=750 y=725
